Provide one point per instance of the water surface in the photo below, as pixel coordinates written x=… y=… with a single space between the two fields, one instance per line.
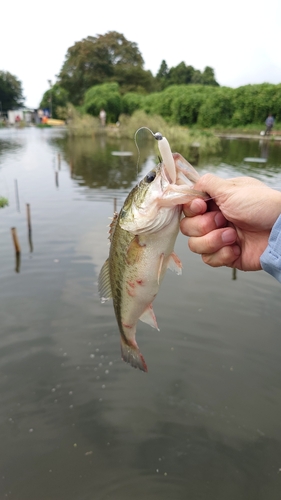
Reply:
x=75 y=421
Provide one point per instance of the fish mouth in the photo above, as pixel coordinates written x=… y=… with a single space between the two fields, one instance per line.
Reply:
x=183 y=173
x=186 y=176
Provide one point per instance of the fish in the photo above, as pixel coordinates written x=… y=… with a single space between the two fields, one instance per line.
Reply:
x=142 y=238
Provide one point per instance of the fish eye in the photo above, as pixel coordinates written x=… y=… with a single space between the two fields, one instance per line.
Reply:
x=150 y=176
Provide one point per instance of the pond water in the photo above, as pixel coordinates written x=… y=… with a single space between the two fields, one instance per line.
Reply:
x=77 y=423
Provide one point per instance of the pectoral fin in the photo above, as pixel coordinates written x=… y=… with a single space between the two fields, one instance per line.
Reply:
x=174 y=263
x=134 y=252
x=160 y=267
x=149 y=317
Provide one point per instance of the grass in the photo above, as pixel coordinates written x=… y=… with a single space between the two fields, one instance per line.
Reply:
x=81 y=125
x=181 y=139
x=3 y=202
x=252 y=128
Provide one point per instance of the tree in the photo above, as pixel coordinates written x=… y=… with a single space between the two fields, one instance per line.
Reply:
x=95 y=60
x=134 y=79
x=180 y=74
x=196 y=77
x=163 y=70
x=11 y=93
x=208 y=77
x=54 y=98
x=184 y=75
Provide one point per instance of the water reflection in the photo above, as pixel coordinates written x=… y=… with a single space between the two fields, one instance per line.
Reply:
x=92 y=163
x=75 y=421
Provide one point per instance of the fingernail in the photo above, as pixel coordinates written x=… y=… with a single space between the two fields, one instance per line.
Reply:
x=228 y=236
x=219 y=220
x=196 y=207
x=236 y=250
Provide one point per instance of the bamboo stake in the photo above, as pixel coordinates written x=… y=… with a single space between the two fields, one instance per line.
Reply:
x=28 y=216
x=115 y=205
x=17 y=195
x=15 y=240
x=17 y=268
x=29 y=227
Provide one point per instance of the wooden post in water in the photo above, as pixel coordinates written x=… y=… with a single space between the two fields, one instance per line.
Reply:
x=17 y=195
x=59 y=161
x=115 y=205
x=57 y=178
x=234 y=273
x=29 y=227
x=17 y=248
x=15 y=239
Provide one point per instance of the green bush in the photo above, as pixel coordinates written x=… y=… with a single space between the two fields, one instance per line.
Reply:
x=217 y=107
x=131 y=102
x=106 y=96
x=192 y=104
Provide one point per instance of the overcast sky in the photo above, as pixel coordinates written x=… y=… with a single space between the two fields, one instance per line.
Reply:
x=240 y=40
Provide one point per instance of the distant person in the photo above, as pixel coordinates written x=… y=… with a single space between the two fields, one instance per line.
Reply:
x=40 y=115
x=102 y=117
x=269 y=122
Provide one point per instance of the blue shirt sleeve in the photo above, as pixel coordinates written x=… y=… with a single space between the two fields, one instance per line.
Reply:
x=271 y=257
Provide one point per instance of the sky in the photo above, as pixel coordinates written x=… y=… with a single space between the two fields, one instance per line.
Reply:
x=240 y=40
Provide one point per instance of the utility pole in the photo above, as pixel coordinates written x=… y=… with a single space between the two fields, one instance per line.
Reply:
x=50 y=83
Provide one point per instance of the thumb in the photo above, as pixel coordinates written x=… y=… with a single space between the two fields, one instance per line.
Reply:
x=211 y=184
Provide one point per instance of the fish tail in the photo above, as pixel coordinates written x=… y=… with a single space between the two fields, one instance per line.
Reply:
x=131 y=354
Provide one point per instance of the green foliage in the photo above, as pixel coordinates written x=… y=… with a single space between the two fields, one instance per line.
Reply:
x=183 y=74
x=3 y=202
x=180 y=74
x=11 y=93
x=96 y=60
x=55 y=98
x=180 y=138
x=208 y=77
x=210 y=106
x=252 y=103
x=160 y=103
x=134 y=79
x=79 y=124
x=217 y=107
x=131 y=102
x=106 y=96
x=187 y=103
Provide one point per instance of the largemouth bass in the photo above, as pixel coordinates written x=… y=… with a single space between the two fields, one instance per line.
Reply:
x=142 y=239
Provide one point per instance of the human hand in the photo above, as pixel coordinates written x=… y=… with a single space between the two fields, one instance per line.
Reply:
x=233 y=228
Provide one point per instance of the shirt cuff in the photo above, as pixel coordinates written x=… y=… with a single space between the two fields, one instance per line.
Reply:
x=271 y=258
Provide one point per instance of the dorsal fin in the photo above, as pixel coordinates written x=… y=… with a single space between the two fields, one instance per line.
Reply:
x=112 y=225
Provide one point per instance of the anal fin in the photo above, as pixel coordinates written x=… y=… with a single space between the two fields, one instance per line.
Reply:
x=149 y=317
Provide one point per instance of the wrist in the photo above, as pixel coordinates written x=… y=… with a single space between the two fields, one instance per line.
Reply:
x=276 y=205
